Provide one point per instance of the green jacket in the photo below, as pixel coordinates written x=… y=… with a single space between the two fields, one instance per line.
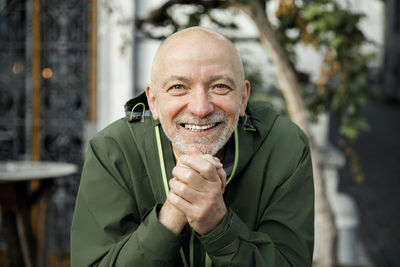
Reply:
x=269 y=196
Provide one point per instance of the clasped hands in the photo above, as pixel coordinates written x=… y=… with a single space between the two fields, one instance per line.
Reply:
x=196 y=194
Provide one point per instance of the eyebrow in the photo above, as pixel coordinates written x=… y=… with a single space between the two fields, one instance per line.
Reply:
x=187 y=80
x=175 y=78
x=223 y=77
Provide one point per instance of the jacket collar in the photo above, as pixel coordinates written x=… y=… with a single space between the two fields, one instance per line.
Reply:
x=251 y=131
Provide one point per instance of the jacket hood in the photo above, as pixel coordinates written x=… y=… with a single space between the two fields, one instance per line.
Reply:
x=257 y=123
x=136 y=108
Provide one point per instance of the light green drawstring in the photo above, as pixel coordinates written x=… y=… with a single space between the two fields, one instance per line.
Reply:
x=208 y=262
x=165 y=181
x=133 y=109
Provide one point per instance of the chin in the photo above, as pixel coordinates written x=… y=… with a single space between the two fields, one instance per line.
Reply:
x=211 y=149
x=205 y=149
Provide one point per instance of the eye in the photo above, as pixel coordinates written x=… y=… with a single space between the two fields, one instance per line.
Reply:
x=221 y=88
x=177 y=89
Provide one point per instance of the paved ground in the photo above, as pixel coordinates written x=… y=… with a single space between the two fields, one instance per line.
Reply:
x=378 y=197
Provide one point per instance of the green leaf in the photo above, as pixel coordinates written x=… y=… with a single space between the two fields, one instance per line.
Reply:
x=348 y=131
x=337 y=41
x=312 y=11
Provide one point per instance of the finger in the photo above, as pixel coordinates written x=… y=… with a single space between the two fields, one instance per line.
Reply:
x=195 y=183
x=214 y=160
x=201 y=165
x=189 y=177
x=221 y=172
x=222 y=175
x=184 y=190
x=179 y=203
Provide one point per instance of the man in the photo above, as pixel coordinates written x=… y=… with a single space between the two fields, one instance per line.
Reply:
x=193 y=176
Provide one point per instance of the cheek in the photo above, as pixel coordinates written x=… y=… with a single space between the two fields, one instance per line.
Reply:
x=169 y=108
x=230 y=106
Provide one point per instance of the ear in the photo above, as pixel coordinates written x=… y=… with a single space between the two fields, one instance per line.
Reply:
x=151 y=99
x=245 y=97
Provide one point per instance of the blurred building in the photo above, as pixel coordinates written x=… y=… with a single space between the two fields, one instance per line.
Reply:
x=44 y=94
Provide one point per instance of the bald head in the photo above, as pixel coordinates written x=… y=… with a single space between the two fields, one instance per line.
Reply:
x=198 y=43
x=197 y=90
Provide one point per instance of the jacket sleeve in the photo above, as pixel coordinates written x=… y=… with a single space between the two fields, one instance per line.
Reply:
x=107 y=229
x=285 y=234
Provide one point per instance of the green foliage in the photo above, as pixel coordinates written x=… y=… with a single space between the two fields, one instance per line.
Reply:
x=330 y=28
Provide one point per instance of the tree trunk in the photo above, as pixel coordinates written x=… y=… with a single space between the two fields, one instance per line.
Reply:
x=291 y=91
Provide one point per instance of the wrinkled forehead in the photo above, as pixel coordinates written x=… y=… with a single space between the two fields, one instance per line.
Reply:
x=197 y=51
x=196 y=46
x=195 y=34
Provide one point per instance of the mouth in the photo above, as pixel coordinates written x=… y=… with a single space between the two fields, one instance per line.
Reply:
x=198 y=128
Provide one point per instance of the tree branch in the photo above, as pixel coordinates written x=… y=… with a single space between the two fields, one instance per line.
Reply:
x=159 y=16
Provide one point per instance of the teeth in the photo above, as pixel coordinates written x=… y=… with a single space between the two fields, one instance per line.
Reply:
x=197 y=128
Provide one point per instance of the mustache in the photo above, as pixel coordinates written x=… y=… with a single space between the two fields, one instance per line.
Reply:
x=209 y=119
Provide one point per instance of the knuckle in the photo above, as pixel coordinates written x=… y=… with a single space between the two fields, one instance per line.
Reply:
x=191 y=220
x=175 y=171
x=209 y=158
x=172 y=198
x=182 y=189
x=177 y=187
x=173 y=184
x=199 y=215
x=187 y=176
x=208 y=168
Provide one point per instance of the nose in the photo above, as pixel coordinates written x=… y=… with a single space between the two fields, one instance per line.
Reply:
x=200 y=104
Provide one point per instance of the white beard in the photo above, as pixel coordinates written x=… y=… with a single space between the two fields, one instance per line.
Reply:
x=206 y=145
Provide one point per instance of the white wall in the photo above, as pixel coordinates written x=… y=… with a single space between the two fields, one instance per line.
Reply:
x=145 y=48
x=115 y=59
x=373 y=25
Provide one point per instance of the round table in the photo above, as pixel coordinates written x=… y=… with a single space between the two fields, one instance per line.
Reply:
x=26 y=248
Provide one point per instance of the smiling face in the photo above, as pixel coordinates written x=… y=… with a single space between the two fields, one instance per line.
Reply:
x=198 y=91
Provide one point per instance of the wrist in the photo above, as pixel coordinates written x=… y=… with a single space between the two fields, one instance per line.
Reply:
x=172 y=218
